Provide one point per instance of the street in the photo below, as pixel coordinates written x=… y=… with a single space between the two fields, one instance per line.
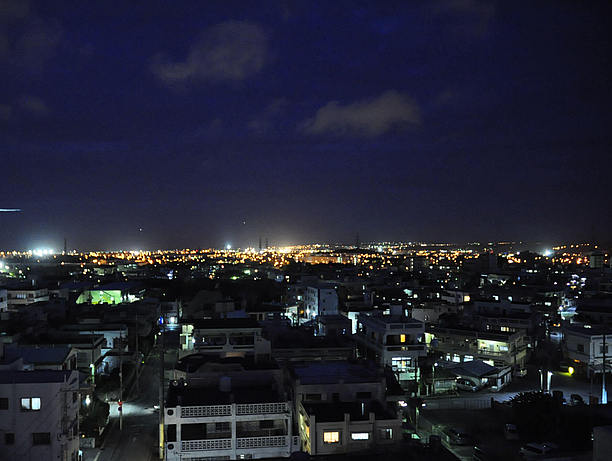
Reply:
x=138 y=439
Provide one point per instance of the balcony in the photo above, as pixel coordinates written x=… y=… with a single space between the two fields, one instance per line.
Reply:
x=261 y=408
x=241 y=443
x=263 y=442
x=206 y=411
x=204 y=445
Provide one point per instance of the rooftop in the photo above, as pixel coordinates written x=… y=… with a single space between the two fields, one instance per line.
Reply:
x=220 y=324
x=195 y=395
x=36 y=376
x=336 y=371
x=40 y=355
x=335 y=411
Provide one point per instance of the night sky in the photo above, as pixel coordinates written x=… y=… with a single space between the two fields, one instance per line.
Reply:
x=144 y=124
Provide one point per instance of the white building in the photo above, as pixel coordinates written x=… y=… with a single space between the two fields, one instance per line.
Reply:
x=3 y=300
x=585 y=347
x=393 y=341
x=26 y=296
x=226 y=422
x=320 y=300
x=39 y=415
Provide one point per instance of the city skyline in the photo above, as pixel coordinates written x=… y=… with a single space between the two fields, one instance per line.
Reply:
x=145 y=126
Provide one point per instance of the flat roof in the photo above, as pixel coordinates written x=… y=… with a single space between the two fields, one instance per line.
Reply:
x=220 y=324
x=211 y=395
x=35 y=376
x=335 y=411
x=43 y=354
x=327 y=372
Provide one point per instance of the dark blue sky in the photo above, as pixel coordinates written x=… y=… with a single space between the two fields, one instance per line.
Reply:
x=209 y=122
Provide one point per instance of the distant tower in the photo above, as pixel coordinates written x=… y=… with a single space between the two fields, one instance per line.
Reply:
x=65 y=246
x=267 y=243
x=357 y=242
x=260 y=243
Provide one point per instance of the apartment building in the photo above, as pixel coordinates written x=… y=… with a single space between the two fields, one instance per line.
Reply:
x=392 y=340
x=584 y=346
x=498 y=349
x=228 y=421
x=39 y=414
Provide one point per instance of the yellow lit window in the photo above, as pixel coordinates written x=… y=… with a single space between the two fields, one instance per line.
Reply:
x=331 y=437
x=402 y=338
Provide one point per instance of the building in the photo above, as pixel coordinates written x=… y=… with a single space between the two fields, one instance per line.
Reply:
x=394 y=341
x=39 y=414
x=232 y=337
x=24 y=296
x=344 y=407
x=228 y=421
x=3 y=300
x=584 y=346
x=499 y=349
x=320 y=300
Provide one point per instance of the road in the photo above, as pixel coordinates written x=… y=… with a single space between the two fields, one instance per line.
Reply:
x=138 y=439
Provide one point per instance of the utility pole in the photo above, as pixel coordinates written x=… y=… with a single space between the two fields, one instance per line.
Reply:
x=604 y=392
x=120 y=380
x=137 y=359
x=161 y=389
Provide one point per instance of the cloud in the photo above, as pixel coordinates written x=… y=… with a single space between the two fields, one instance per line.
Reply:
x=230 y=51
x=34 y=106
x=264 y=122
x=369 y=117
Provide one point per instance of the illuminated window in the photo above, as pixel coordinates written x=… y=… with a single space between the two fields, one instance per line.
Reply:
x=30 y=404
x=402 y=338
x=468 y=358
x=466 y=299
x=360 y=436
x=331 y=437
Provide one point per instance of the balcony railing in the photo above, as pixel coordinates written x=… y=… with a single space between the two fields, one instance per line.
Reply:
x=261 y=408
x=202 y=445
x=206 y=410
x=263 y=442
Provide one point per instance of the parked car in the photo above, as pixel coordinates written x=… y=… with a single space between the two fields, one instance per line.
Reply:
x=511 y=432
x=536 y=450
x=464 y=384
x=456 y=437
x=576 y=399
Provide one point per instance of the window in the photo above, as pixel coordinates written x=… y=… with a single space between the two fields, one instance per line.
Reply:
x=580 y=347
x=331 y=437
x=360 y=436
x=402 y=338
x=386 y=434
x=363 y=395
x=601 y=349
x=222 y=427
x=3 y=403
x=75 y=396
x=41 y=438
x=9 y=438
x=312 y=397
x=266 y=424
x=171 y=433
x=468 y=358
x=503 y=348
x=30 y=404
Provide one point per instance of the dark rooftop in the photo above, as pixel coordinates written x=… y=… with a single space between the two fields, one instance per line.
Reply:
x=192 y=396
x=335 y=371
x=219 y=324
x=36 y=376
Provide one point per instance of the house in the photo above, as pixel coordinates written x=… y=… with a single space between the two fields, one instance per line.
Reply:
x=584 y=346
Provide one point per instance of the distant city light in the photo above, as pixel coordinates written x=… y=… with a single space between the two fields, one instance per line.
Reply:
x=42 y=252
x=548 y=252
x=228 y=246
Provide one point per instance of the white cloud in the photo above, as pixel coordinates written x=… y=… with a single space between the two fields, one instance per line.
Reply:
x=369 y=117
x=230 y=51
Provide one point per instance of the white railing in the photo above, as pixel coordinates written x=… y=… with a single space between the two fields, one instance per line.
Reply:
x=213 y=444
x=262 y=442
x=207 y=410
x=260 y=408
